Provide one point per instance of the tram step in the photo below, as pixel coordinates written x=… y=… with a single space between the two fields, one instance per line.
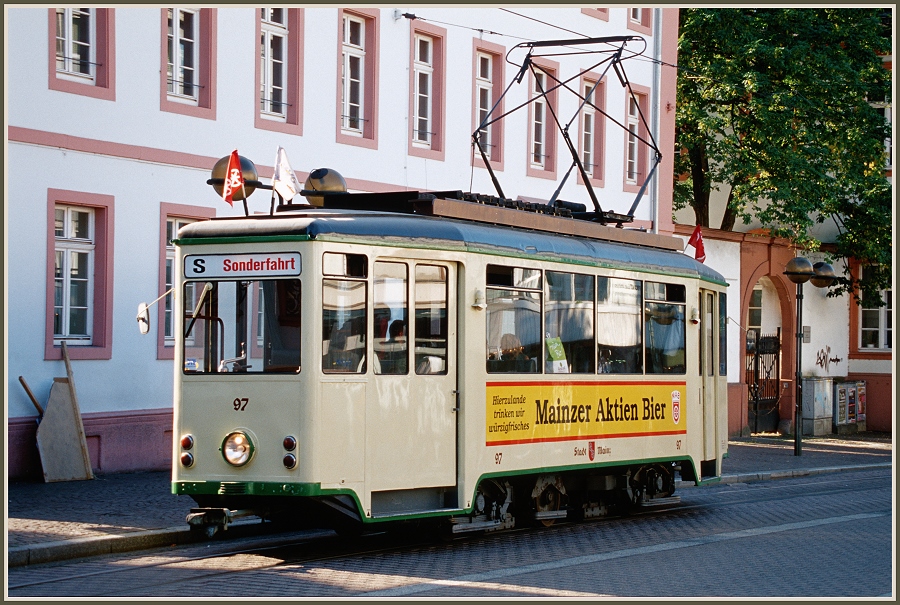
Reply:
x=660 y=501
x=464 y=524
x=551 y=514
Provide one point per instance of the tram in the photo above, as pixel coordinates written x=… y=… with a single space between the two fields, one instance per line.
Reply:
x=479 y=362
x=476 y=362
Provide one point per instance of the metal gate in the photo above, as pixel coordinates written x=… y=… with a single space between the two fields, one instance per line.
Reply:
x=763 y=378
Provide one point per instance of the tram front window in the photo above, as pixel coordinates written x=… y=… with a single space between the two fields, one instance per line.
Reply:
x=242 y=326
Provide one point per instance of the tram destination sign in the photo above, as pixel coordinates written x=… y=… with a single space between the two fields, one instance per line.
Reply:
x=257 y=264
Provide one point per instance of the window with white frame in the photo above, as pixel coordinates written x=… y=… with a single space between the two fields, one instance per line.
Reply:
x=484 y=94
x=754 y=313
x=423 y=74
x=75 y=43
x=172 y=227
x=273 y=63
x=73 y=275
x=352 y=74
x=639 y=20
x=875 y=331
x=539 y=120
x=183 y=54
x=632 y=171
x=588 y=128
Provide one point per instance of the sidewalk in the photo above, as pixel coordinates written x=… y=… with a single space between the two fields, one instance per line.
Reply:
x=132 y=511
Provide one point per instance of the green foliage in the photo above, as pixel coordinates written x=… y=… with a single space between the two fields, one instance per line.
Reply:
x=774 y=109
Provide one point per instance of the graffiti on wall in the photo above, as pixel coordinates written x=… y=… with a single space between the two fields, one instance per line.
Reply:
x=824 y=360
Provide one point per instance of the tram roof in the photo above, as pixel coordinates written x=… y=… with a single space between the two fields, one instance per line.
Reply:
x=418 y=231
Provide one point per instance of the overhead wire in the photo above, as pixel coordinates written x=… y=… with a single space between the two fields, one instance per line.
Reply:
x=639 y=56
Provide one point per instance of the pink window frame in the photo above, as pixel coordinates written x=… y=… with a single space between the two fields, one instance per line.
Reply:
x=103 y=207
x=206 y=70
x=550 y=151
x=599 y=151
x=104 y=83
x=645 y=26
x=597 y=13
x=438 y=86
x=497 y=52
x=166 y=212
x=294 y=88
x=643 y=95
x=369 y=139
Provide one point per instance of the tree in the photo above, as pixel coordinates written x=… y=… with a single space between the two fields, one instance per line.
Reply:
x=775 y=107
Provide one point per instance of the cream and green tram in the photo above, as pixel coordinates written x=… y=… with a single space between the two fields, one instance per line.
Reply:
x=348 y=367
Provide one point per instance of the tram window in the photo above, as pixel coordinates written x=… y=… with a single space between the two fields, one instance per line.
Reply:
x=664 y=328
x=242 y=326
x=391 y=316
x=664 y=292
x=569 y=321
x=431 y=319
x=513 y=330
x=344 y=265
x=710 y=335
x=344 y=307
x=619 y=310
x=513 y=277
x=723 y=340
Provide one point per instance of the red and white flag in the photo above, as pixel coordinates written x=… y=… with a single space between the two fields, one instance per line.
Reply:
x=234 y=178
x=697 y=242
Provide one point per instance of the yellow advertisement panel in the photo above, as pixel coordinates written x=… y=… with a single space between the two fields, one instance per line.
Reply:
x=534 y=412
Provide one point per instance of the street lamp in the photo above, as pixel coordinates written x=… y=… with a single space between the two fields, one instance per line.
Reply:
x=799 y=270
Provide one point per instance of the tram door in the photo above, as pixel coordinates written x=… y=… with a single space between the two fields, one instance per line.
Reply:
x=708 y=371
x=411 y=398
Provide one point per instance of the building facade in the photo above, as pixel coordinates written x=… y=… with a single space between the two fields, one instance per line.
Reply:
x=116 y=116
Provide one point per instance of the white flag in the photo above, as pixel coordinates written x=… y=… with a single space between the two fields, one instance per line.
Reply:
x=285 y=181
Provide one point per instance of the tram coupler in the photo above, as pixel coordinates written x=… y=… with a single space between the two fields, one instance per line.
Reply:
x=210 y=520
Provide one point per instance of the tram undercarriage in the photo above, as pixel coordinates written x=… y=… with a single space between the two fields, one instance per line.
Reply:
x=500 y=503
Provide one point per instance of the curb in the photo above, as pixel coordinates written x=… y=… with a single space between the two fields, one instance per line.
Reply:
x=785 y=474
x=93 y=546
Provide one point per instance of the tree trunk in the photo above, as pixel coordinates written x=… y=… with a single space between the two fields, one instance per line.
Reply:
x=699 y=169
x=730 y=216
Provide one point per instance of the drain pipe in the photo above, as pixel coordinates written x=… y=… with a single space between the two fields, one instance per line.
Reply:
x=654 y=114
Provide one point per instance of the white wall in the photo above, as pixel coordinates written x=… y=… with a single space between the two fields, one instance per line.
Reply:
x=829 y=337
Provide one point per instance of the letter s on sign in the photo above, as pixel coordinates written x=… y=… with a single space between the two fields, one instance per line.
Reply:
x=199 y=265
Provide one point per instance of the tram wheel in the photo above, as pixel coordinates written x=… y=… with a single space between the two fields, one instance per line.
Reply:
x=548 y=500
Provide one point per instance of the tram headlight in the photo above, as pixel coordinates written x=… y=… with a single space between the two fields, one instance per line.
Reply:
x=237 y=448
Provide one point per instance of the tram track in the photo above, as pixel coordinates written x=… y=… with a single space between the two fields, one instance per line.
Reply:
x=324 y=546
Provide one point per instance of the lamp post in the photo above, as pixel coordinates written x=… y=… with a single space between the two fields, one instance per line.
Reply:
x=799 y=270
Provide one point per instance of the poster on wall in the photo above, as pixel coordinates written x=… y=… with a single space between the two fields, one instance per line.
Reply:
x=861 y=402
x=840 y=404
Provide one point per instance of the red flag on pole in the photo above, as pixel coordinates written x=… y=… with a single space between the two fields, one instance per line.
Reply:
x=234 y=178
x=697 y=242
